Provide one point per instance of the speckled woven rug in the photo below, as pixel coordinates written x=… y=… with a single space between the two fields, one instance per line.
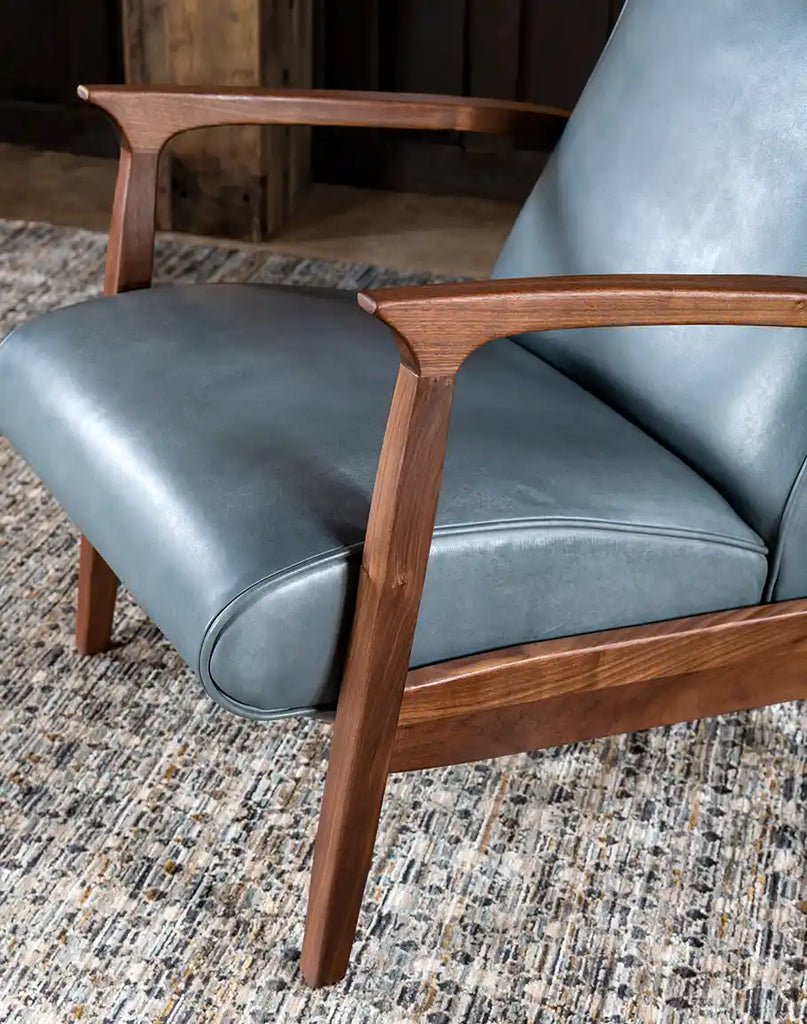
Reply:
x=154 y=850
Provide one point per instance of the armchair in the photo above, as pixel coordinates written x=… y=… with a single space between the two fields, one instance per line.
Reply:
x=616 y=545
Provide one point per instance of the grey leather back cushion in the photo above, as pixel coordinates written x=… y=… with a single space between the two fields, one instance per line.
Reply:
x=688 y=154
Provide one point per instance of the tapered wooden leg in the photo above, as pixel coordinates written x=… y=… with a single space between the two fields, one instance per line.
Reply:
x=396 y=551
x=351 y=808
x=97 y=590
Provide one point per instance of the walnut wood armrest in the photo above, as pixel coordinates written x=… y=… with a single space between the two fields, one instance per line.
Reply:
x=150 y=115
x=438 y=326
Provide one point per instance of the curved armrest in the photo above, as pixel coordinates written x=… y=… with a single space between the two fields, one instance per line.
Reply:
x=149 y=116
x=438 y=326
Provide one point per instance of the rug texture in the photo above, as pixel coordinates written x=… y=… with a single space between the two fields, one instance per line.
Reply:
x=154 y=850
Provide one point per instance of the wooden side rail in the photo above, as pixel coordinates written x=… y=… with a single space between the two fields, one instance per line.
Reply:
x=621 y=680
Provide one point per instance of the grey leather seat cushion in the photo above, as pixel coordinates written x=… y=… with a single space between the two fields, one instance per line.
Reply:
x=218 y=445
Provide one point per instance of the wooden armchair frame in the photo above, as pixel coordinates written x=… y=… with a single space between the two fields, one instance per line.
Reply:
x=389 y=718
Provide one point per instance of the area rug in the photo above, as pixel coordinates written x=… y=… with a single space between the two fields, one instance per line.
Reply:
x=154 y=850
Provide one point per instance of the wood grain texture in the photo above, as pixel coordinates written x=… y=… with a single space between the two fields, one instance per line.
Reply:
x=218 y=175
x=440 y=325
x=129 y=261
x=130 y=255
x=396 y=552
x=287 y=41
x=592 y=714
x=562 y=691
x=239 y=181
x=151 y=116
x=595 y=661
x=97 y=590
x=145 y=49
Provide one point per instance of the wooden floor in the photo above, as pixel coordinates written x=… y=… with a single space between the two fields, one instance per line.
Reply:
x=445 y=234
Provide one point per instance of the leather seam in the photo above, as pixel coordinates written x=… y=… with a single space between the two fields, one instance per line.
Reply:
x=601 y=525
x=14 y=330
x=490 y=526
x=221 y=618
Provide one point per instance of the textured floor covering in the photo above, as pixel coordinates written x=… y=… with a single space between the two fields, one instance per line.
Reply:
x=154 y=850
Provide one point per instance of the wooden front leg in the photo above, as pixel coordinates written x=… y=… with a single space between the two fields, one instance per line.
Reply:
x=396 y=552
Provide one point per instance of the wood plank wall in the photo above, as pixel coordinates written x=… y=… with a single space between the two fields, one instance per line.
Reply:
x=239 y=182
x=541 y=51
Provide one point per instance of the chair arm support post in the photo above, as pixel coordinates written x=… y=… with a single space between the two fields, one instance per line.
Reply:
x=130 y=255
x=396 y=552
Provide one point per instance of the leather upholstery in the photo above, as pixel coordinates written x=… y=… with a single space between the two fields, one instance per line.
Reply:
x=218 y=445
x=688 y=153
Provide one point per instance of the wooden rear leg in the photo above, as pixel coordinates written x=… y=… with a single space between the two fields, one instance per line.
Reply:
x=97 y=590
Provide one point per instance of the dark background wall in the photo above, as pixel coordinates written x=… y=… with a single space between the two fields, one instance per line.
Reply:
x=47 y=47
x=540 y=51
x=536 y=50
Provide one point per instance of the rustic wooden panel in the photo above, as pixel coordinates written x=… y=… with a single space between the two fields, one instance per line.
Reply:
x=34 y=51
x=217 y=174
x=238 y=181
x=348 y=44
x=145 y=52
x=287 y=60
x=244 y=181
x=145 y=45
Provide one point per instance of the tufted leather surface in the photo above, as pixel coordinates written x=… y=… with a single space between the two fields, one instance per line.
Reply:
x=218 y=445
x=688 y=154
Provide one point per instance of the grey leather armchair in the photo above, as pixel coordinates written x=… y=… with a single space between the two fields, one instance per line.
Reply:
x=620 y=539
